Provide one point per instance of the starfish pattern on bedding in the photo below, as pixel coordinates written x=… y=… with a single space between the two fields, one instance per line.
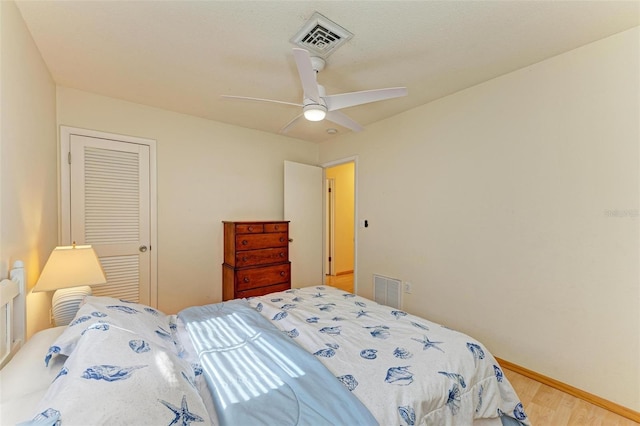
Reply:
x=183 y=416
x=429 y=344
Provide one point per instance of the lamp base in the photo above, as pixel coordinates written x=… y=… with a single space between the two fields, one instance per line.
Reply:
x=65 y=303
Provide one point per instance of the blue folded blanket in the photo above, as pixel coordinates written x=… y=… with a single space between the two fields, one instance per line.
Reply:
x=259 y=376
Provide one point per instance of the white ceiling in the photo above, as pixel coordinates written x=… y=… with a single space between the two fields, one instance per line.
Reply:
x=182 y=55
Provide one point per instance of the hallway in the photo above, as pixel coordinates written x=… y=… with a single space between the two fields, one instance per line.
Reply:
x=342 y=281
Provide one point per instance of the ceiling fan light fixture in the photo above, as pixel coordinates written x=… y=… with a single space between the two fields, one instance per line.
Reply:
x=315 y=112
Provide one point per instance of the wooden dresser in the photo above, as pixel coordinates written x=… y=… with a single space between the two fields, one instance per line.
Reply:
x=256 y=259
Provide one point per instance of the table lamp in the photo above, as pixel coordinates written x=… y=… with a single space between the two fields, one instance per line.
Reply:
x=70 y=270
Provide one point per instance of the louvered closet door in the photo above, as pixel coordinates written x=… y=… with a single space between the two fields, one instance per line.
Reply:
x=110 y=210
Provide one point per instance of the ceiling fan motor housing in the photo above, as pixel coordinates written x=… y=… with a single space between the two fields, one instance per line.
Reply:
x=317 y=64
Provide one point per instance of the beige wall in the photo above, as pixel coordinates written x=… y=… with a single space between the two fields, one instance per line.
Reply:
x=207 y=172
x=512 y=207
x=343 y=176
x=28 y=189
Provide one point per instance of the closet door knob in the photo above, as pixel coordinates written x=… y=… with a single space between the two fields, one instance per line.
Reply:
x=142 y=248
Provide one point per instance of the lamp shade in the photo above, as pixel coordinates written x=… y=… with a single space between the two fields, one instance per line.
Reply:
x=70 y=266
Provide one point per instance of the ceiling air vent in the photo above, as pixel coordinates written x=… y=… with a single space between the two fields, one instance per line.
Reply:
x=321 y=36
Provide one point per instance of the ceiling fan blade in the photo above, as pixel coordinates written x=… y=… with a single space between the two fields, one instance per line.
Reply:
x=341 y=119
x=307 y=74
x=245 y=98
x=290 y=124
x=345 y=100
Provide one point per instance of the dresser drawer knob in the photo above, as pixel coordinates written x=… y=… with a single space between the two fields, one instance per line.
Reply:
x=281 y=254
x=251 y=229
x=245 y=279
x=283 y=239
x=276 y=227
x=282 y=273
x=245 y=242
x=244 y=258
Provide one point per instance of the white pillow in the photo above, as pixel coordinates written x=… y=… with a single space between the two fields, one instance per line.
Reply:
x=117 y=377
x=105 y=313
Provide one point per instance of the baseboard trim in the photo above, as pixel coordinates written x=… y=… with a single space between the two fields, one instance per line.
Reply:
x=578 y=393
x=345 y=272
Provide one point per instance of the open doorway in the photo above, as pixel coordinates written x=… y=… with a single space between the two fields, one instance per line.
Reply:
x=340 y=225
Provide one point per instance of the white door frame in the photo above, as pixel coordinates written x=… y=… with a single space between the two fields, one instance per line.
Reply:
x=354 y=160
x=64 y=221
x=330 y=217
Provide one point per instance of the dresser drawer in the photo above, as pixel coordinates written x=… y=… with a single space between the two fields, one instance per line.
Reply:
x=249 y=228
x=276 y=227
x=261 y=241
x=261 y=257
x=247 y=279
x=261 y=291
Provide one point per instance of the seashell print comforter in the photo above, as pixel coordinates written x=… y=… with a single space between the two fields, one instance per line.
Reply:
x=405 y=370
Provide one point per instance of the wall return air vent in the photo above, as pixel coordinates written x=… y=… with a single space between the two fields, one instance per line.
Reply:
x=321 y=36
x=387 y=291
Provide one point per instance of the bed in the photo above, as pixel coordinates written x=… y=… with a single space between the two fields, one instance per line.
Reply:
x=315 y=355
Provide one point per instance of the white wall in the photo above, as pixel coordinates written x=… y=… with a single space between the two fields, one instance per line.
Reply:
x=512 y=207
x=207 y=172
x=28 y=189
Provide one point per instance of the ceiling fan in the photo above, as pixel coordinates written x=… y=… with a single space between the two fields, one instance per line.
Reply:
x=317 y=105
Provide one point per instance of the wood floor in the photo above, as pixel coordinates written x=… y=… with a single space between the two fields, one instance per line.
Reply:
x=548 y=406
x=544 y=405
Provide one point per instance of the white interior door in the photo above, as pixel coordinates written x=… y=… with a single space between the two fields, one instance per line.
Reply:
x=303 y=208
x=110 y=208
